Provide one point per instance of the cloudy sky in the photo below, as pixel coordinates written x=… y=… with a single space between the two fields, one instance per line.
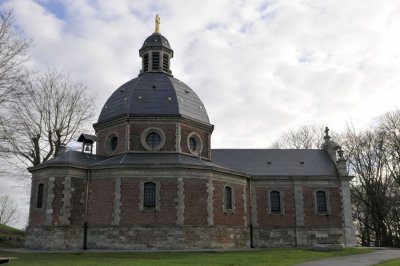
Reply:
x=260 y=67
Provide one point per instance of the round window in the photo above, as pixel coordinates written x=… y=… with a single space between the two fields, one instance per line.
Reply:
x=192 y=144
x=153 y=140
x=114 y=143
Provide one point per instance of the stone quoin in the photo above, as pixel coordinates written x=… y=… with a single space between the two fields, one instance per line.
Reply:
x=155 y=182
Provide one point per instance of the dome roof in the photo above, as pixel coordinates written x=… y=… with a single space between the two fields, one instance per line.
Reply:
x=156 y=40
x=154 y=94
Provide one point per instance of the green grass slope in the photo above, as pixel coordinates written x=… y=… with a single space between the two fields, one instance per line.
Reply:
x=270 y=257
x=11 y=237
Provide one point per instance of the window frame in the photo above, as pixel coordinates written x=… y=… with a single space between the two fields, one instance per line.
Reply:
x=108 y=143
x=327 y=202
x=40 y=188
x=199 y=143
x=142 y=195
x=272 y=209
x=281 y=202
x=149 y=194
x=148 y=131
x=232 y=199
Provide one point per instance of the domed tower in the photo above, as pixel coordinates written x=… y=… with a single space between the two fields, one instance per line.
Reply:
x=155 y=112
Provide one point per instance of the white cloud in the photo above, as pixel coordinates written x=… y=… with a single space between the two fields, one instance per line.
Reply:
x=260 y=67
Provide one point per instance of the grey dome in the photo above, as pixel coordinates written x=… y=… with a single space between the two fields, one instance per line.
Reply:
x=156 y=40
x=154 y=94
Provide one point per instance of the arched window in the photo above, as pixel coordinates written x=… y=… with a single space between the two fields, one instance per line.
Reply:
x=275 y=201
x=321 y=202
x=39 y=201
x=149 y=195
x=228 y=198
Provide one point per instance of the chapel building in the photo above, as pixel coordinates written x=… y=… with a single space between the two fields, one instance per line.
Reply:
x=155 y=182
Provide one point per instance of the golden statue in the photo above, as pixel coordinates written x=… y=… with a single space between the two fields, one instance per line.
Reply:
x=157 y=23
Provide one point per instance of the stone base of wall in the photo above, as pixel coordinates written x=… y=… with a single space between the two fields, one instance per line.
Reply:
x=300 y=237
x=168 y=237
x=180 y=237
x=138 y=237
x=54 y=237
x=264 y=237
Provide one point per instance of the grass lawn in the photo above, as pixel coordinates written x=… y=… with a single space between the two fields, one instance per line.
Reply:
x=11 y=237
x=251 y=257
x=395 y=262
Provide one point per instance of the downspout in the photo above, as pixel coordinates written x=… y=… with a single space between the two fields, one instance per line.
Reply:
x=250 y=215
x=85 y=223
x=295 y=213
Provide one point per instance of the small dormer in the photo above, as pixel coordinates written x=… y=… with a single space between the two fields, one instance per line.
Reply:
x=156 y=52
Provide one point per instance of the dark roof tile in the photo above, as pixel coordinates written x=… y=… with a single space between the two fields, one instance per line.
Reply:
x=276 y=162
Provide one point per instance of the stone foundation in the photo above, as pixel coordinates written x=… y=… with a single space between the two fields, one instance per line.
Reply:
x=272 y=237
x=168 y=237
x=138 y=237
x=300 y=237
x=54 y=237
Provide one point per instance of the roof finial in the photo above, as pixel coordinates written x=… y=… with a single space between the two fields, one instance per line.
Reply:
x=157 y=21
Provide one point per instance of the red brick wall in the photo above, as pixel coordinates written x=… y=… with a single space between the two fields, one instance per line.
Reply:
x=186 y=130
x=317 y=220
x=264 y=218
x=228 y=218
x=77 y=201
x=38 y=216
x=101 y=201
x=130 y=212
x=103 y=135
x=137 y=128
x=196 y=195
x=129 y=201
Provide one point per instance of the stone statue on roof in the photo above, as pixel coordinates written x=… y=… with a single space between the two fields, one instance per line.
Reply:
x=157 y=21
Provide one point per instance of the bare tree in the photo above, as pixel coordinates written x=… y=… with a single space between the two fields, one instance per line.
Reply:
x=304 y=137
x=52 y=112
x=375 y=188
x=13 y=54
x=8 y=210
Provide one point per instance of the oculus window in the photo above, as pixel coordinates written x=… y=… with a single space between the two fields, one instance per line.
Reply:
x=111 y=143
x=152 y=139
x=194 y=143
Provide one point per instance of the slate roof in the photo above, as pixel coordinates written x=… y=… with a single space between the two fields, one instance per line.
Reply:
x=74 y=158
x=154 y=94
x=77 y=158
x=153 y=159
x=156 y=40
x=254 y=162
x=282 y=162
